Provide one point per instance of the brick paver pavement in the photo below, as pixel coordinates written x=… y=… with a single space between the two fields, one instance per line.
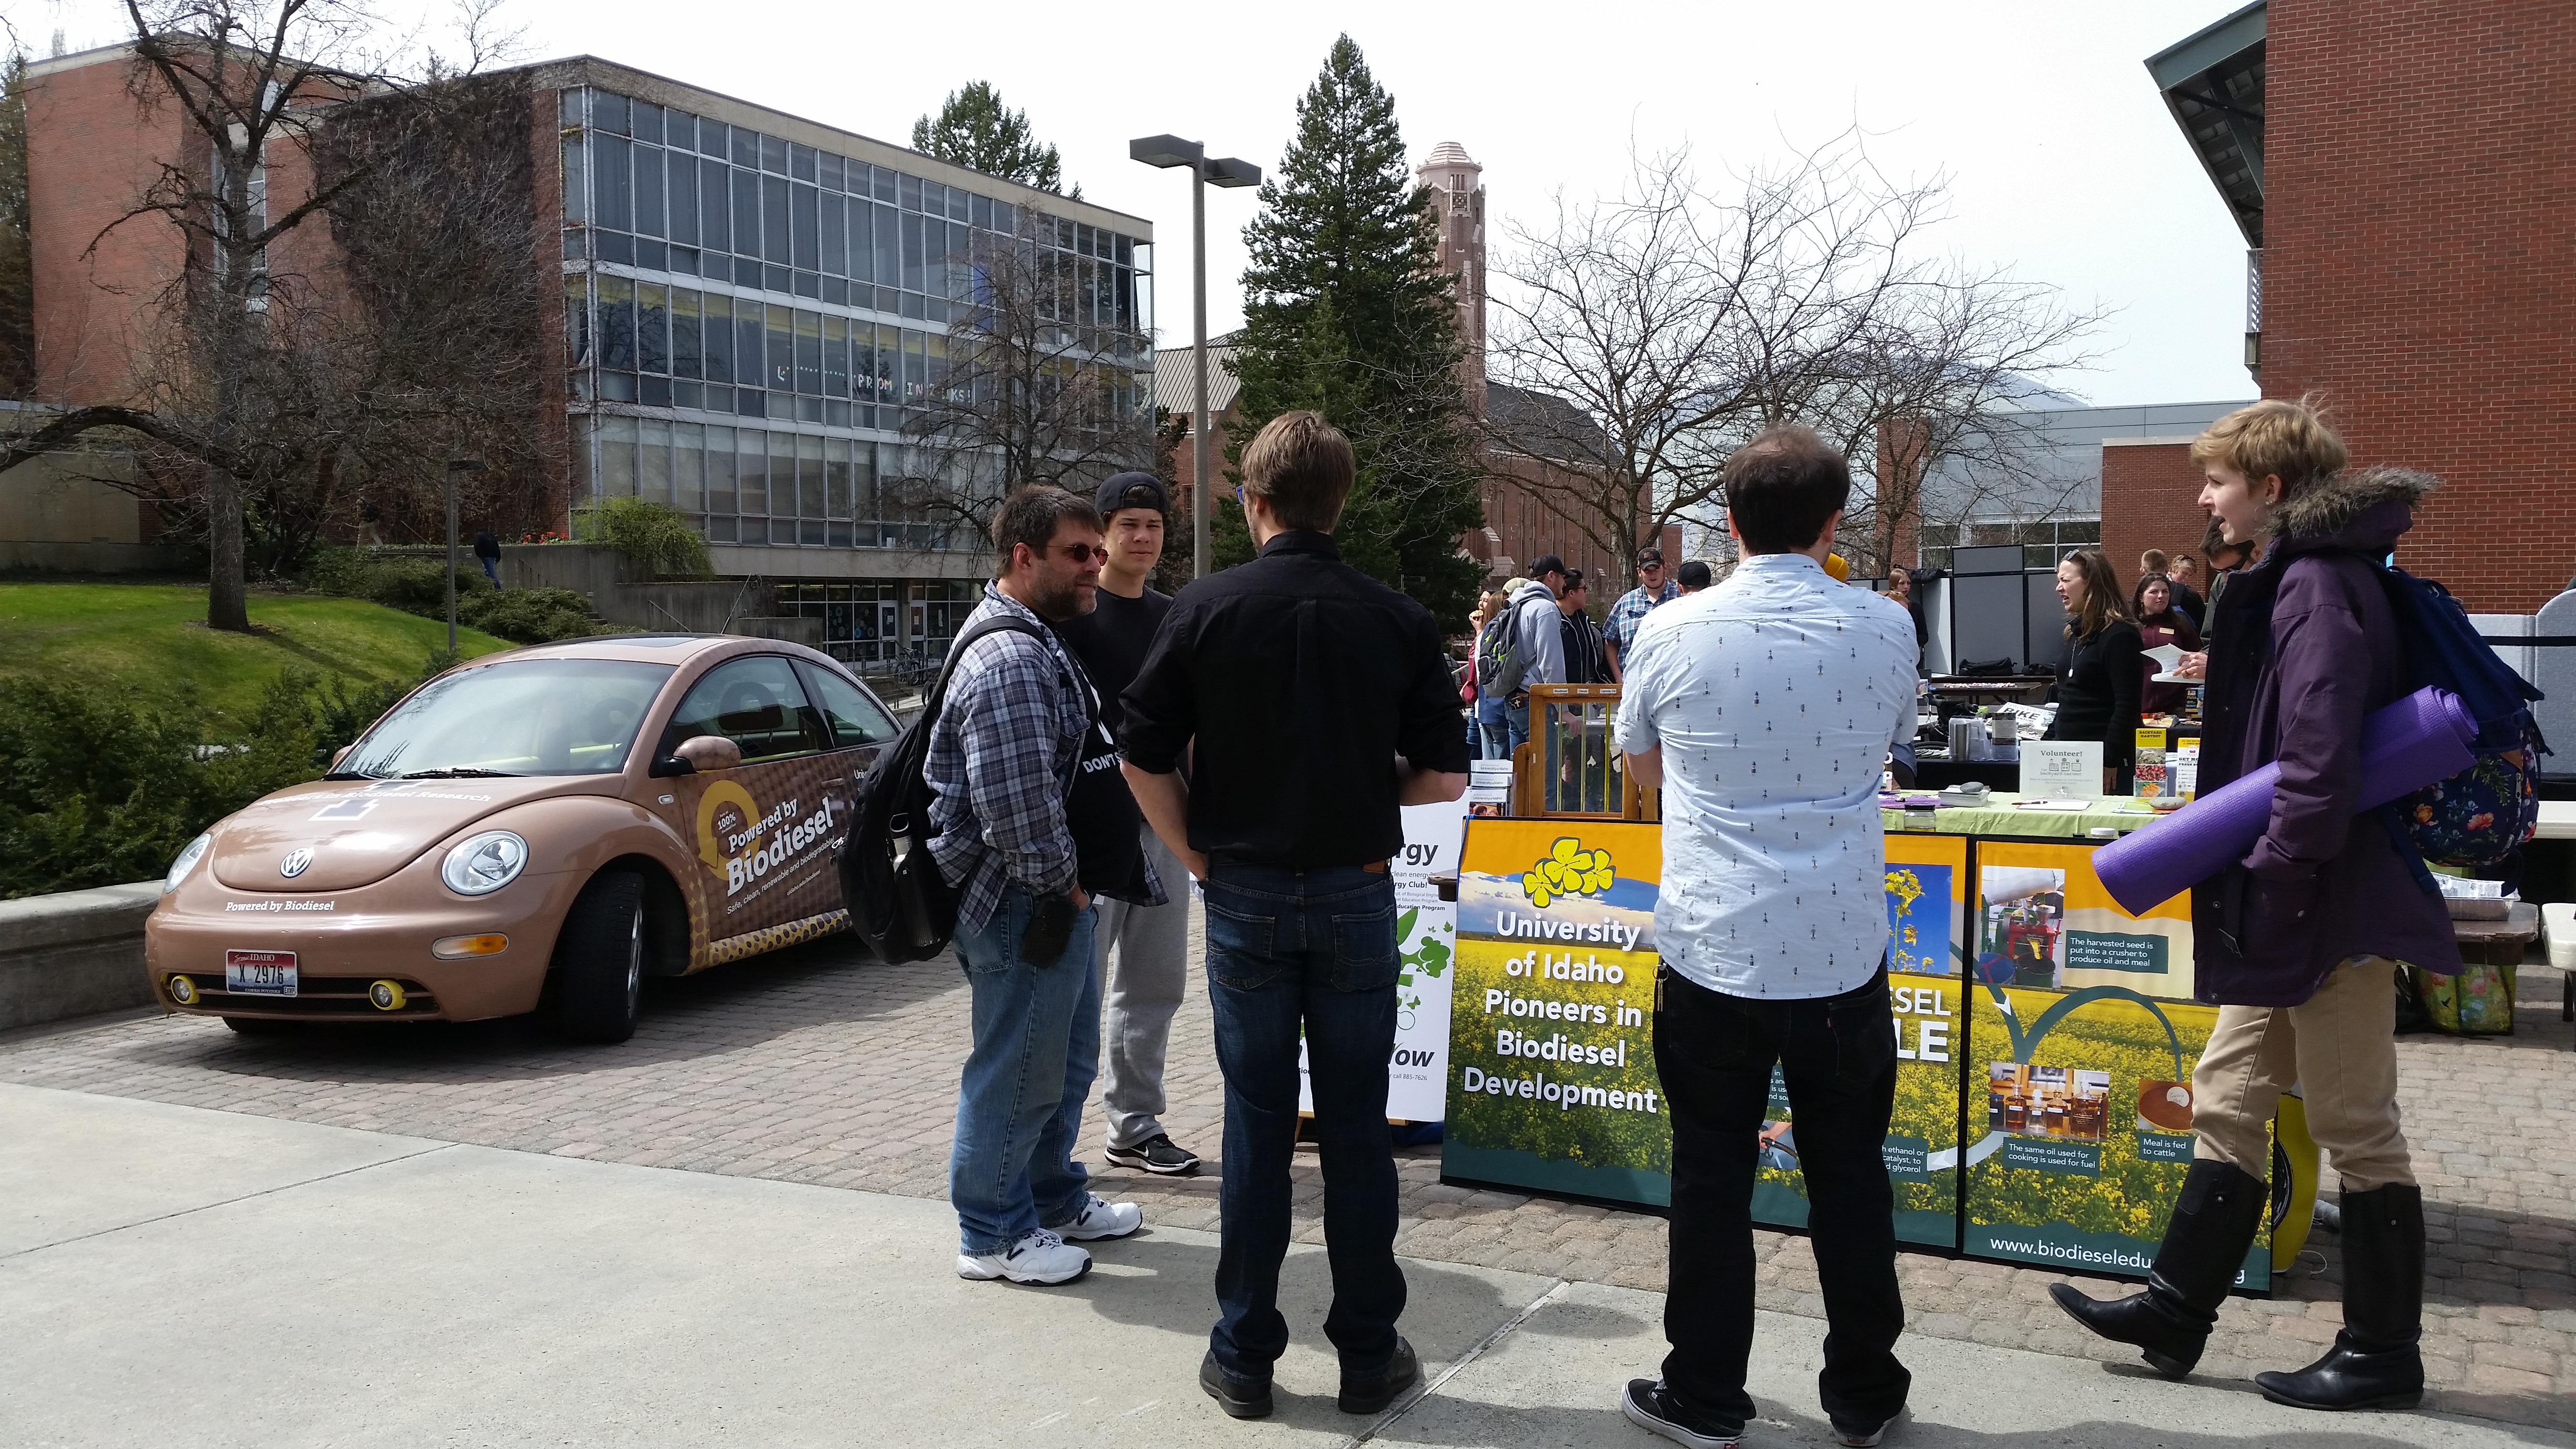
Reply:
x=810 y=1066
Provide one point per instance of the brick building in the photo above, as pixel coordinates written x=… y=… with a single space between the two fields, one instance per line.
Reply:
x=745 y=310
x=2404 y=173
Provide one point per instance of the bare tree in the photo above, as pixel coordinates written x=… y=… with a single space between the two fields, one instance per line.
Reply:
x=1037 y=383
x=1657 y=331
x=278 y=356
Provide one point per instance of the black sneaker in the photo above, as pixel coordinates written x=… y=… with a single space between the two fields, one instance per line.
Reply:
x=1239 y=1399
x=1651 y=1407
x=1369 y=1395
x=1157 y=1154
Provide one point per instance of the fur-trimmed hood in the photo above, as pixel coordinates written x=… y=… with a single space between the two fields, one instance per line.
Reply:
x=2354 y=507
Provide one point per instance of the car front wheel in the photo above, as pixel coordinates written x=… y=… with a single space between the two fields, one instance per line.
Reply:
x=599 y=959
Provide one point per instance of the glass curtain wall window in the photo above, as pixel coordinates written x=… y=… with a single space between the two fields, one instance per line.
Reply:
x=669 y=218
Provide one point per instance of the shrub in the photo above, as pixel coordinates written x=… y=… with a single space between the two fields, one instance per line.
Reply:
x=654 y=541
x=410 y=583
x=100 y=786
x=530 y=616
x=97 y=787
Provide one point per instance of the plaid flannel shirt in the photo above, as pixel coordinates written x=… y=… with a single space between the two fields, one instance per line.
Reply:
x=1000 y=754
x=1630 y=611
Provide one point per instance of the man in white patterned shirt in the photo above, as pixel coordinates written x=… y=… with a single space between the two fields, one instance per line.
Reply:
x=1764 y=708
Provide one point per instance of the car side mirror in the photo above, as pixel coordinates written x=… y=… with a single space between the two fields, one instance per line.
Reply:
x=669 y=765
x=708 y=753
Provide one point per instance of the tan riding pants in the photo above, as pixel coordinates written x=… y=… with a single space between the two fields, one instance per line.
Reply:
x=2339 y=1048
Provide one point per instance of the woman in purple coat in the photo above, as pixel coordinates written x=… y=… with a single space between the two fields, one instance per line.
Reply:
x=2295 y=943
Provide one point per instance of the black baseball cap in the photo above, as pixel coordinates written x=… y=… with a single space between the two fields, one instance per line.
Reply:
x=1650 y=558
x=1131 y=490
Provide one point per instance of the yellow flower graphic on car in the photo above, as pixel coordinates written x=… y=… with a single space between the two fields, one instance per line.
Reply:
x=1567 y=870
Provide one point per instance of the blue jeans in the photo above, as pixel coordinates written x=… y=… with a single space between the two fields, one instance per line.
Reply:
x=1516 y=722
x=1286 y=949
x=1019 y=1108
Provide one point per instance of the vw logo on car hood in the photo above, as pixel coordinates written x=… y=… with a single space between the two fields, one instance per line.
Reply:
x=295 y=862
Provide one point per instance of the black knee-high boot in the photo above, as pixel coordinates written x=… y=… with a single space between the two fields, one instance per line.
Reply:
x=2374 y=1363
x=2204 y=1247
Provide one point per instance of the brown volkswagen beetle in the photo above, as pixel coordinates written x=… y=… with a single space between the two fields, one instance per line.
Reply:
x=590 y=813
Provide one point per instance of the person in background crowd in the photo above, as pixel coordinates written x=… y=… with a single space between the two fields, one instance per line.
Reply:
x=1586 y=660
x=1025 y=851
x=2160 y=622
x=1315 y=701
x=1541 y=632
x=2296 y=942
x=1900 y=589
x=1141 y=952
x=2154 y=561
x=2226 y=560
x=1471 y=700
x=2097 y=691
x=2186 y=589
x=487 y=551
x=1492 y=716
x=1773 y=940
x=1652 y=589
x=1690 y=578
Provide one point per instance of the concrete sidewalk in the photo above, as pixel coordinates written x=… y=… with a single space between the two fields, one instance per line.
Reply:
x=175 y=1276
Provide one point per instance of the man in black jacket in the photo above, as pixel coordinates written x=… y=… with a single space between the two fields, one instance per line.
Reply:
x=1313 y=701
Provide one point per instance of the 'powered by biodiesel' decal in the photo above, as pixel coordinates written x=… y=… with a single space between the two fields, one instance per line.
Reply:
x=766 y=836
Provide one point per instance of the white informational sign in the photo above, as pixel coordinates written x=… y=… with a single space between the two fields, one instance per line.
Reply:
x=1426 y=946
x=2061 y=770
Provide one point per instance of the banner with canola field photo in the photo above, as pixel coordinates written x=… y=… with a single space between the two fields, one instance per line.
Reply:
x=1552 y=1061
x=2044 y=919
x=1553 y=1044
x=2084 y=1132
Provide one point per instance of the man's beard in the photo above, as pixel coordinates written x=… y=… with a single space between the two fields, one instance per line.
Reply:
x=1059 y=603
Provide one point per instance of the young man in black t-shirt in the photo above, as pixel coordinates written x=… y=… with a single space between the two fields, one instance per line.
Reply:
x=1142 y=952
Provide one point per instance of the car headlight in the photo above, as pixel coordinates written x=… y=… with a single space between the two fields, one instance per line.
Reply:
x=186 y=862
x=482 y=864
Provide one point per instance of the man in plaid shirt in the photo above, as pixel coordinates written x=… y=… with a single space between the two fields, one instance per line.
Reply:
x=1014 y=737
x=1652 y=589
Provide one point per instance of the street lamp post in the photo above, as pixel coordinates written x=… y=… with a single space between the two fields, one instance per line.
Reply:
x=1227 y=171
x=454 y=467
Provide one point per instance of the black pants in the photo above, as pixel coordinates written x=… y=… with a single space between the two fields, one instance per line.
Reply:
x=1837 y=1055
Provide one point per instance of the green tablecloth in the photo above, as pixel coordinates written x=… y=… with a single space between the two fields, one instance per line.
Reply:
x=2001 y=818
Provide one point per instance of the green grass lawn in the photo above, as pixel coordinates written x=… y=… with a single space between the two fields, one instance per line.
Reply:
x=153 y=638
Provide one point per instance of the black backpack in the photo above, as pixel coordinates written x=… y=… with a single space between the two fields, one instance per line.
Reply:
x=899 y=903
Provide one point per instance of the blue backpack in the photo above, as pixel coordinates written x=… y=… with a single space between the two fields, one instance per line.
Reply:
x=2484 y=813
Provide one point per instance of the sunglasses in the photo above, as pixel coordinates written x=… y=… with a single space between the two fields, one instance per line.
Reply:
x=1083 y=553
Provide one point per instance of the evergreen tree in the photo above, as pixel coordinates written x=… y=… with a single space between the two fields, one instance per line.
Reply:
x=1349 y=313
x=975 y=130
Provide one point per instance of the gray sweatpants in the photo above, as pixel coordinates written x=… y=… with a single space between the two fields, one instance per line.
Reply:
x=1143 y=956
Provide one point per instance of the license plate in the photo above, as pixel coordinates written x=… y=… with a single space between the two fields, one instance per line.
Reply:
x=260 y=973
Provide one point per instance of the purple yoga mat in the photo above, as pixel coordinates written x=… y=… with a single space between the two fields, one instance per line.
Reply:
x=2405 y=747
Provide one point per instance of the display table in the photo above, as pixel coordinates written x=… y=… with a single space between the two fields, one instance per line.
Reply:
x=2045 y=1037
x=2002 y=815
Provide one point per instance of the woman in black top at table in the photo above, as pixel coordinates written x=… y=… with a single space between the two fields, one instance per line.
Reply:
x=2162 y=621
x=2097 y=693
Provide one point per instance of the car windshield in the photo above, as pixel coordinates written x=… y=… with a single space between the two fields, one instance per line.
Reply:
x=516 y=717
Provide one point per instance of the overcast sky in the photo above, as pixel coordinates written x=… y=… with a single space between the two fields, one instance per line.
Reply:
x=2063 y=164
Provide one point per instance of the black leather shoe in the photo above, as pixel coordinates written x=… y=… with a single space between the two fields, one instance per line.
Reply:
x=1369 y=1395
x=2375 y=1362
x=1240 y=1399
x=2204 y=1247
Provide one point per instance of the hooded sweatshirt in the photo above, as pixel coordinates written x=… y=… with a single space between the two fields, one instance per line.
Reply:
x=2302 y=646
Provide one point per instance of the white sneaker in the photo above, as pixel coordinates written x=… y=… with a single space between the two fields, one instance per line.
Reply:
x=1041 y=1258
x=1100 y=1219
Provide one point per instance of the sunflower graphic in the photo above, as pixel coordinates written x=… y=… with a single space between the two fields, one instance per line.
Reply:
x=1567 y=870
